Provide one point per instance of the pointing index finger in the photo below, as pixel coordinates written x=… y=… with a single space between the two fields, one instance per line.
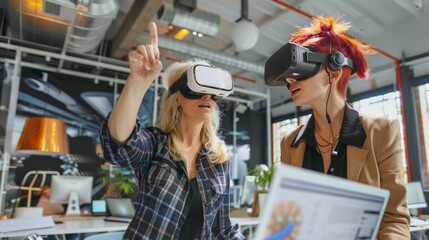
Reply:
x=153 y=33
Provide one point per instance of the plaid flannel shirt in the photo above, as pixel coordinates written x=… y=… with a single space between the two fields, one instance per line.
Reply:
x=164 y=188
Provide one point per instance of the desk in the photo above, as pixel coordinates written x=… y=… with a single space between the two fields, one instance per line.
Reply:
x=419 y=232
x=85 y=225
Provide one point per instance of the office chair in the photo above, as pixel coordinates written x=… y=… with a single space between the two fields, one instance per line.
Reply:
x=39 y=173
x=106 y=236
x=35 y=179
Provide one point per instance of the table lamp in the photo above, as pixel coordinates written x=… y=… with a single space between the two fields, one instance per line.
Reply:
x=43 y=136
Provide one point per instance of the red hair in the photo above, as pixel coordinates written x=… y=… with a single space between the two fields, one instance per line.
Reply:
x=327 y=34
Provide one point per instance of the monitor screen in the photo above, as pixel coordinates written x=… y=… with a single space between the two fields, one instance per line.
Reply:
x=248 y=192
x=415 y=195
x=71 y=190
x=98 y=207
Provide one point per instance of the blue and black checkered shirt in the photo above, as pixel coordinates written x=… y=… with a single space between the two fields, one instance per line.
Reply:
x=164 y=188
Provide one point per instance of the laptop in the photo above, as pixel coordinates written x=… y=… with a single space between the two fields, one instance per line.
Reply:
x=119 y=210
x=312 y=205
x=415 y=200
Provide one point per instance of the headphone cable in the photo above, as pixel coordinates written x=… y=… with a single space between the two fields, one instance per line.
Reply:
x=328 y=116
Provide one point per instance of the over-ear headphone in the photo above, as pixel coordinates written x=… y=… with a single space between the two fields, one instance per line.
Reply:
x=336 y=61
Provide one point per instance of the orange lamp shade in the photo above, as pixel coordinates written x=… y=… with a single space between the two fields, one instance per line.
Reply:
x=43 y=136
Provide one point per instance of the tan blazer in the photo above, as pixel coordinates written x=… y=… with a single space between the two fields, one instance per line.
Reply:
x=377 y=163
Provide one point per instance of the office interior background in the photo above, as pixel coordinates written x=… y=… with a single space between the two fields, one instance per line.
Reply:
x=67 y=59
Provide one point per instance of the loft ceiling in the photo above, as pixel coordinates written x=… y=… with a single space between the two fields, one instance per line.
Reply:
x=396 y=27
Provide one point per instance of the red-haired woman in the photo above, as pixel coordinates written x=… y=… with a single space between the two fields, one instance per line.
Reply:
x=337 y=140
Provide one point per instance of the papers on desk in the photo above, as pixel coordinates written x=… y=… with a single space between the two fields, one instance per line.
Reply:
x=21 y=224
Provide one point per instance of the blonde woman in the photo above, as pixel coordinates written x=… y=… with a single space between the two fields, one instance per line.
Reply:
x=181 y=164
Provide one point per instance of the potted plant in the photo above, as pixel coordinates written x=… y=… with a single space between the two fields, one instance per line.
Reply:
x=263 y=176
x=116 y=181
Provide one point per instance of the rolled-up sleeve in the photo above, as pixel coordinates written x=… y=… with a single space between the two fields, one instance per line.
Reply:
x=136 y=152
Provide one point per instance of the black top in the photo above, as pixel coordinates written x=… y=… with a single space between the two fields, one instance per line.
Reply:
x=313 y=158
x=194 y=220
x=352 y=133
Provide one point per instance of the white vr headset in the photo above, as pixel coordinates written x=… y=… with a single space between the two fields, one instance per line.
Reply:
x=200 y=80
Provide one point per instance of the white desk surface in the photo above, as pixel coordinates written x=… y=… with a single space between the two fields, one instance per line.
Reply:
x=246 y=221
x=419 y=228
x=84 y=225
x=422 y=223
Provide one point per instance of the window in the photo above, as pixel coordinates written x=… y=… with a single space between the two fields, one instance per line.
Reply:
x=280 y=129
x=387 y=105
x=422 y=105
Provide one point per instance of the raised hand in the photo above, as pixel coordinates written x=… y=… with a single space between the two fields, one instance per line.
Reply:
x=144 y=60
x=144 y=69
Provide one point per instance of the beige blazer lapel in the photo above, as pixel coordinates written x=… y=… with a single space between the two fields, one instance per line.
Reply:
x=297 y=154
x=355 y=160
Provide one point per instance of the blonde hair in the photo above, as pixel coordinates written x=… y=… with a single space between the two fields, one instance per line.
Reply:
x=169 y=119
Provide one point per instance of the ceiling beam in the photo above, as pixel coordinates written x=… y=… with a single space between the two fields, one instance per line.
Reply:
x=406 y=5
x=134 y=24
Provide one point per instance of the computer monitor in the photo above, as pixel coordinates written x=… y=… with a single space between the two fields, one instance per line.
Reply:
x=415 y=197
x=71 y=190
x=248 y=192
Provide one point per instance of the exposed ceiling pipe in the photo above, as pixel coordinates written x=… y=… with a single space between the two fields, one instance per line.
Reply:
x=291 y=7
x=48 y=21
x=91 y=24
x=235 y=76
x=197 y=20
x=187 y=5
x=215 y=56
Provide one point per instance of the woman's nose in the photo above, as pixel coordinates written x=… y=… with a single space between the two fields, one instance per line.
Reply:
x=207 y=96
x=290 y=80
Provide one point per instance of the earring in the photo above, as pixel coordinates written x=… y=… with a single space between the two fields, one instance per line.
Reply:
x=179 y=109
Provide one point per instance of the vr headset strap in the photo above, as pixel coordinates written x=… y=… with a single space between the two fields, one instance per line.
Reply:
x=178 y=84
x=316 y=57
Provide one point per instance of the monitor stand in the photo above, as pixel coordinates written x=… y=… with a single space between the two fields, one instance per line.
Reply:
x=73 y=207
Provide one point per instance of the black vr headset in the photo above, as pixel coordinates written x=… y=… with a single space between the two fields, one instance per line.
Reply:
x=300 y=63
